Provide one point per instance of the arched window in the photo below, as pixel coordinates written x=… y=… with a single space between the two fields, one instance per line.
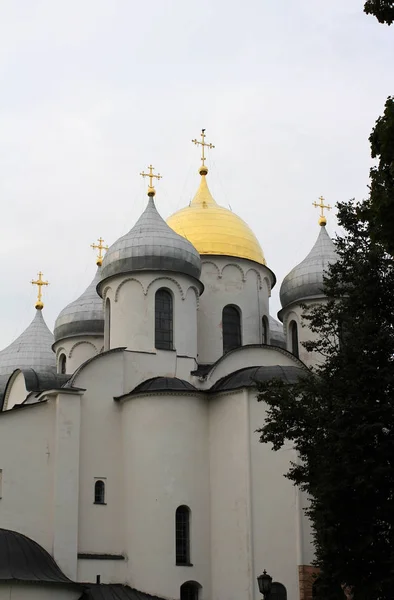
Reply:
x=62 y=364
x=231 y=324
x=293 y=330
x=163 y=320
x=265 y=328
x=182 y=535
x=278 y=591
x=99 y=492
x=190 y=590
x=107 y=325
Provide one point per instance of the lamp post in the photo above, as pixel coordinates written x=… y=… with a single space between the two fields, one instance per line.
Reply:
x=265 y=584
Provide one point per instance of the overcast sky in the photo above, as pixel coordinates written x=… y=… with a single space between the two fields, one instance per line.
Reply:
x=92 y=91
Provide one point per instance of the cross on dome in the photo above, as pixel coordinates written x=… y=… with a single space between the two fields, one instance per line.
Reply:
x=322 y=206
x=203 y=169
x=100 y=247
x=151 y=189
x=39 y=283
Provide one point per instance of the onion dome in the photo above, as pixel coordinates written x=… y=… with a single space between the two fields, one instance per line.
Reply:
x=22 y=559
x=213 y=229
x=306 y=279
x=31 y=350
x=277 y=335
x=151 y=245
x=84 y=316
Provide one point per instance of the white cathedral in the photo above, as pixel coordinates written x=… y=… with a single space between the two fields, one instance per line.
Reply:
x=130 y=466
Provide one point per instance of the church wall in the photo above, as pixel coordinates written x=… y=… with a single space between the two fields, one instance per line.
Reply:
x=26 y=504
x=231 y=541
x=294 y=313
x=77 y=350
x=140 y=366
x=231 y=281
x=101 y=527
x=275 y=515
x=133 y=311
x=36 y=591
x=166 y=452
x=17 y=392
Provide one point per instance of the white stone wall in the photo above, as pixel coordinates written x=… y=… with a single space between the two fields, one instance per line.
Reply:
x=77 y=350
x=294 y=313
x=240 y=282
x=36 y=591
x=132 y=318
x=166 y=465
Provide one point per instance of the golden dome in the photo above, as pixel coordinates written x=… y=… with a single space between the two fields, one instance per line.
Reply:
x=213 y=229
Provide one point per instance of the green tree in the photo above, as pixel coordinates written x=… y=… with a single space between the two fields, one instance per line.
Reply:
x=379 y=210
x=383 y=10
x=340 y=417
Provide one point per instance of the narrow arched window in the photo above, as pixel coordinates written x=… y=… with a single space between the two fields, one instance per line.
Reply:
x=99 y=492
x=182 y=535
x=107 y=325
x=231 y=324
x=190 y=590
x=293 y=330
x=62 y=364
x=278 y=591
x=163 y=320
x=265 y=329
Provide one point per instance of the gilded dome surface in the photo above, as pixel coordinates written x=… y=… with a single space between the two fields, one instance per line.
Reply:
x=306 y=279
x=215 y=230
x=83 y=316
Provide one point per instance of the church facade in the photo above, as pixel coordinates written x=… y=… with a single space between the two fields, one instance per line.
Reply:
x=130 y=465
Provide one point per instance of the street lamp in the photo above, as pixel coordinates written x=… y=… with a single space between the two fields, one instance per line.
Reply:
x=265 y=584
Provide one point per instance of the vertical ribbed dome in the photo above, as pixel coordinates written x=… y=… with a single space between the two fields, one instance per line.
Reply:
x=31 y=350
x=151 y=245
x=306 y=279
x=84 y=316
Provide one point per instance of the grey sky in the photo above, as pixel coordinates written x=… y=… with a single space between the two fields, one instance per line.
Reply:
x=92 y=91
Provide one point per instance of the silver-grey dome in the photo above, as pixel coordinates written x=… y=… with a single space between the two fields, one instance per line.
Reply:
x=151 y=245
x=31 y=350
x=277 y=335
x=306 y=279
x=83 y=316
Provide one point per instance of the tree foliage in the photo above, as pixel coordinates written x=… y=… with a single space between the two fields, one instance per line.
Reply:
x=340 y=417
x=383 y=10
x=379 y=210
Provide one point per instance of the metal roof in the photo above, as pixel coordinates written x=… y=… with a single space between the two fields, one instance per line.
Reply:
x=151 y=245
x=250 y=376
x=83 y=316
x=306 y=279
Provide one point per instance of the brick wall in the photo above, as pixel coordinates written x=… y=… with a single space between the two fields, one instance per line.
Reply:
x=307 y=576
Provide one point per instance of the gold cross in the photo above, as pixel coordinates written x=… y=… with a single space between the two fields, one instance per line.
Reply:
x=100 y=247
x=203 y=145
x=322 y=206
x=39 y=283
x=151 y=189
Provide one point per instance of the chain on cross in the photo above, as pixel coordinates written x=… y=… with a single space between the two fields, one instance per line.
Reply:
x=151 y=175
x=39 y=283
x=100 y=247
x=322 y=206
x=203 y=145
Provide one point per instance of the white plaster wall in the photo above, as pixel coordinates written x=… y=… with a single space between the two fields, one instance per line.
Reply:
x=77 y=350
x=66 y=482
x=294 y=313
x=231 y=281
x=110 y=571
x=140 y=366
x=166 y=453
x=27 y=458
x=274 y=507
x=16 y=391
x=101 y=527
x=231 y=542
x=35 y=591
x=133 y=311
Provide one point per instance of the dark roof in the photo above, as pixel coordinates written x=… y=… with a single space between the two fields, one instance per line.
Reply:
x=22 y=559
x=35 y=381
x=249 y=376
x=161 y=384
x=114 y=592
